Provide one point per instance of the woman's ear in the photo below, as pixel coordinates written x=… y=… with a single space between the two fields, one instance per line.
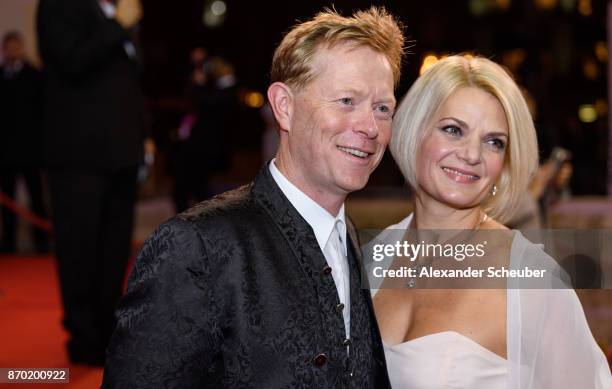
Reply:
x=281 y=101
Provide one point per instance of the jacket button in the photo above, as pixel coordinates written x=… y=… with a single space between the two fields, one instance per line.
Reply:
x=339 y=307
x=327 y=270
x=320 y=360
x=346 y=343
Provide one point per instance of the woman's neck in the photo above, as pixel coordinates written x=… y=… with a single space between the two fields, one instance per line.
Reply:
x=432 y=215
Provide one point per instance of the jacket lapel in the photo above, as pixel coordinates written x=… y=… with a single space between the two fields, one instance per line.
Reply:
x=295 y=230
x=367 y=342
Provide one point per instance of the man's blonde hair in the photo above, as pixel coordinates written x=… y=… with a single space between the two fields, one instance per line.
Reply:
x=412 y=123
x=374 y=28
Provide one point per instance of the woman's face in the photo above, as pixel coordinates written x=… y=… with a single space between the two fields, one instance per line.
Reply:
x=462 y=154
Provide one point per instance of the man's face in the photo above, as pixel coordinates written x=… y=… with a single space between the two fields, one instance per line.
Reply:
x=341 y=121
x=13 y=50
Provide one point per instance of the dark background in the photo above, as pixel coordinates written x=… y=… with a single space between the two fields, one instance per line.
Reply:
x=554 y=40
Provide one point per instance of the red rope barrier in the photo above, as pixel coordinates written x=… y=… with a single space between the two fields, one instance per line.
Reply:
x=35 y=220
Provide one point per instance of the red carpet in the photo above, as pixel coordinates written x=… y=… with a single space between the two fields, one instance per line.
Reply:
x=31 y=334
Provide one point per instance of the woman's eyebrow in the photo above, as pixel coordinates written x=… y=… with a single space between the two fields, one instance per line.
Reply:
x=497 y=134
x=459 y=121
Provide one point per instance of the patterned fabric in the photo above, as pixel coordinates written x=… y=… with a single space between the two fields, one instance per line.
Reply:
x=234 y=294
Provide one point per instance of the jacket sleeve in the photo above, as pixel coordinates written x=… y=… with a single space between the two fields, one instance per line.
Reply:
x=68 y=44
x=167 y=333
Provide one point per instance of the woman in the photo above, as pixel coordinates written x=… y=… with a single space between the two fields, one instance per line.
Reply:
x=464 y=140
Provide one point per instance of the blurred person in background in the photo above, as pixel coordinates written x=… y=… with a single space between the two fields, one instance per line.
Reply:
x=204 y=133
x=550 y=182
x=182 y=169
x=20 y=138
x=198 y=75
x=198 y=56
x=94 y=133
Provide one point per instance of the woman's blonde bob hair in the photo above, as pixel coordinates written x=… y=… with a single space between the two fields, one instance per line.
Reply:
x=412 y=123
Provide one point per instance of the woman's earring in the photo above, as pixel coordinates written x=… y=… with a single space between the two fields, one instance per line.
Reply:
x=494 y=190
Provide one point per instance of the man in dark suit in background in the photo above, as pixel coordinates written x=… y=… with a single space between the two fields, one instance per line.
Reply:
x=20 y=137
x=93 y=120
x=214 y=92
x=260 y=287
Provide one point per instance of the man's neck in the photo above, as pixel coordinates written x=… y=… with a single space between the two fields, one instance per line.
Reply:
x=329 y=201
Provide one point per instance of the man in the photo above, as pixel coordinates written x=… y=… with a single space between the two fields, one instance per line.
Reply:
x=260 y=287
x=216 y=110
x=20 y=137
x=93 y=146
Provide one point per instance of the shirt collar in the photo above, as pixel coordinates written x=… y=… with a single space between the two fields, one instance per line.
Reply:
x=321 y=221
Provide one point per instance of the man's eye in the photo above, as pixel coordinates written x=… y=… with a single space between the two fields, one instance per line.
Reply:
x=452 y=130
x=346 y=101
x=383 y=108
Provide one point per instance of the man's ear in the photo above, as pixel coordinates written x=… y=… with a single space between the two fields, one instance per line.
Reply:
x=281 y=101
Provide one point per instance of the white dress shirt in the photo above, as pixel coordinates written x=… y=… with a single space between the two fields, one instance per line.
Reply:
x=330 y=232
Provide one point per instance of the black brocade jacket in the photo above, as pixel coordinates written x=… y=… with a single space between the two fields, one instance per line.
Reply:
x=236 y=293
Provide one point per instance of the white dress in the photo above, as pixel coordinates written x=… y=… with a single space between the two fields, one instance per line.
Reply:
x=444 y=360
x=549 y=343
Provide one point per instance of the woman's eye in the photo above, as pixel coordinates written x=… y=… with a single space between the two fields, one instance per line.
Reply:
x=497 y=143
x=346 y=101
x=452 y=130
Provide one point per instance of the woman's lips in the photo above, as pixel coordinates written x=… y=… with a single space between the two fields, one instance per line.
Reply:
x=459 y=175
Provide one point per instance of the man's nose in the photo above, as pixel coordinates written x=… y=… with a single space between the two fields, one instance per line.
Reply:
x=366 y=123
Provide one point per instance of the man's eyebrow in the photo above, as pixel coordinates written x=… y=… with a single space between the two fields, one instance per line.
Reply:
x=388 y=100
x=348 y=90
